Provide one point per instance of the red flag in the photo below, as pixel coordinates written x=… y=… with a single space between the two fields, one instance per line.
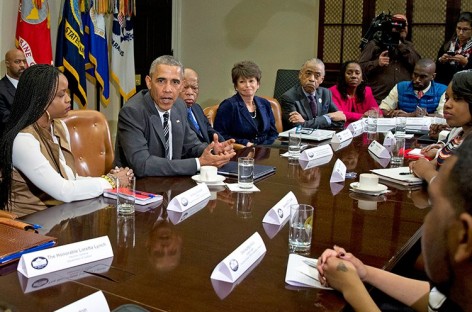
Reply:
x=33 y=34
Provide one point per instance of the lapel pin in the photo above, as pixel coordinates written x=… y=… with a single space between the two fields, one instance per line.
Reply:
x=177 y=121
x=319 y=100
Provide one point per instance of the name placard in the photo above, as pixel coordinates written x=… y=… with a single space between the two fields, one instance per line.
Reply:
x=189 y=198
x=342 y=136
x=389 y=139
x=379 y=150
x=356 y=128
x=63 y=257
x=315 y=156
x=241 y=259
x=94 y=302
x=381 y=161
x=385 y=124
x=339 y=172
x=280 y=213
x=336 y=187
x=179 y=216
x=339 y=146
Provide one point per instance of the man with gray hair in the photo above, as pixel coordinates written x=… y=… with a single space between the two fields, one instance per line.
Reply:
x=154 y=137
x=308 y=104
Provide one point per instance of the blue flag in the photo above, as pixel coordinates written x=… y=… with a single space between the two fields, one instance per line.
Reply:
x=96 y=52
x=70 y=55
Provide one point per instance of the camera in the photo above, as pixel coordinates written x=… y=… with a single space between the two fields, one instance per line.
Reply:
x=385 y=30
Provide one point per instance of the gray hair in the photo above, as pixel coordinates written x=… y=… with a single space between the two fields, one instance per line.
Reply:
x=166 y=60
x=314 y=61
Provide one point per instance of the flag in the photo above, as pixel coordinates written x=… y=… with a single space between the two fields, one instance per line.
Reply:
x=33 y=35
x=70 y=56
x=96 y=52
x=122 y=55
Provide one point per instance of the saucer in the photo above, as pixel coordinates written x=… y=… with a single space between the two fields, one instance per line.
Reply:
x=219 y=179
x=380 y=188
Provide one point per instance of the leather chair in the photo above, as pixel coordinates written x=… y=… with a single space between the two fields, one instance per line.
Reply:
x=210 y=113
x=284 y=80
x=90 y=142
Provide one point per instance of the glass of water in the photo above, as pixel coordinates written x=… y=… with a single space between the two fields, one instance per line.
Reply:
x=301 y=228
x=294 y=144
x=245 y=172
x=126 y=197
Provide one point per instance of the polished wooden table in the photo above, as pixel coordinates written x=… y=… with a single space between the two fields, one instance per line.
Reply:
x=162 y=266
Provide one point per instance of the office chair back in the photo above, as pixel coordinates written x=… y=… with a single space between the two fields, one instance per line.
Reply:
x=90 y=142
x=284 y=80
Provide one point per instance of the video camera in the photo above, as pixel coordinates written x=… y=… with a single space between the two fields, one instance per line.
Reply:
x=385 y=30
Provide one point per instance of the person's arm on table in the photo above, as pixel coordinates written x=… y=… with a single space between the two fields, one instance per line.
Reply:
x=424 y=169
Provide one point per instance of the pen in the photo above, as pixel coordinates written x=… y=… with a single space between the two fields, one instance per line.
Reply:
x=310 y=263
x=144 y=194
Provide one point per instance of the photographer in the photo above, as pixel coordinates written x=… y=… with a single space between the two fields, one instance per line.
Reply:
x=388 y=58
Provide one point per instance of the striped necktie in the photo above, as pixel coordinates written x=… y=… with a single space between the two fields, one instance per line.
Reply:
x=165 y=125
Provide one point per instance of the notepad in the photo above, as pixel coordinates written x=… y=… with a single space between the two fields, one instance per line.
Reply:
x=141 y=198
x=400 y=175
x=231 y=169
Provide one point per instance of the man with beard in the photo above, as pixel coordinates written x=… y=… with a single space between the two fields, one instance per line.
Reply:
x=15 y=62
x=308 y=104
x=197 y=119
x=416 y=98
x=446 y=248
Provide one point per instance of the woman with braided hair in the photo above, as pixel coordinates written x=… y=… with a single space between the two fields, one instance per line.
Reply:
x=36 y=162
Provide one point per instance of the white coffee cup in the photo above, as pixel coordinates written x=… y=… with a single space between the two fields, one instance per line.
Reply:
x=208 y=173
x=368 y=181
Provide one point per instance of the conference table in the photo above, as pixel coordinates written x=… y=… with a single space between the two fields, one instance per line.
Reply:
x=162 y=266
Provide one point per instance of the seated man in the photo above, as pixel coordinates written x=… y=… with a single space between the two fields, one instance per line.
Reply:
x=416 y=98
x=197 y=119
x=154 y=137
x=308 y=104
x=446 y=247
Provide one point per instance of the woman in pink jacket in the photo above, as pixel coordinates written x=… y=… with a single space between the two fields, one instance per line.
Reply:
x=351 y=95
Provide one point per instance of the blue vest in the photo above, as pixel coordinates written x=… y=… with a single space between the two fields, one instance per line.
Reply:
x=407 y=99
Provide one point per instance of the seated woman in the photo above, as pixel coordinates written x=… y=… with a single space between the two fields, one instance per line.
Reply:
x=457 y=112
x=455 y=55
x=246 y=117
x=36 y=164
x=351 y=95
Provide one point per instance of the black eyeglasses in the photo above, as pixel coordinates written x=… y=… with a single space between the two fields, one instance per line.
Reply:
x=305 y=130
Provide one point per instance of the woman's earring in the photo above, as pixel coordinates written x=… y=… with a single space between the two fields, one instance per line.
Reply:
x=49 y=116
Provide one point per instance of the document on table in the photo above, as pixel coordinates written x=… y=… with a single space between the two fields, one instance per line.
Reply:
x=301 y=271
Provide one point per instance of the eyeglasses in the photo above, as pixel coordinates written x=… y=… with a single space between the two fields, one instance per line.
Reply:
x=463 y=29
x=304 y=130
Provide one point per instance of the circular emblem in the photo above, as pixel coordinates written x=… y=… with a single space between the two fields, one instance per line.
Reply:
x=39 y=263
x=184 y=201
x=280 y=213
x=311 y=154
x=40 y=283
x=234 y=265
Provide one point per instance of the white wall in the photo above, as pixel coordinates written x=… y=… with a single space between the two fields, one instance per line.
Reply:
x=273 y=33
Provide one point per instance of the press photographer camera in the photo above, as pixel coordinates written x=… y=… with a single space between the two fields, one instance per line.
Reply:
x=385 y=29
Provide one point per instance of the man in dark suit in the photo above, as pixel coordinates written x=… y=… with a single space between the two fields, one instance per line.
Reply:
x=15 y=62
x=308 y=104
x=154 y=137
x=197 y=119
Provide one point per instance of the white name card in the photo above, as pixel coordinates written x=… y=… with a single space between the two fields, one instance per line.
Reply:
x=94 y=302
x=389 y=139
x=342 y=136
x=315 y=156
x=339 y=172
x=356 y=128
x=379 y=150
x=385 y=124
x=280 y=213
x=63 y=257
x=336 y=187
x=234 y=265
x=381 y=161
x=338 y=146
x=178 y=216
x=189 y=198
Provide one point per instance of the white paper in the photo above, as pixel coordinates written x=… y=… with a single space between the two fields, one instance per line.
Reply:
x=415 y=152
x=381 y=161
x=312 y=157
x=338 y=146
x=342 y=136
x=356 y=128
x=301 y=274
x=63 y=257
x=179 y=216
x=385 y=124
x=273 y=229
x=339 y=172
x=378 y=150
x=389 y=139
x=241 y=259
x=189 y=198
x=280 y=213
x=94 y=302
x=234 y=187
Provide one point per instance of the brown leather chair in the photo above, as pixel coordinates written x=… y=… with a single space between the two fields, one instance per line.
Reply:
x=210 y=113
x=90 y=142
x=276 y=109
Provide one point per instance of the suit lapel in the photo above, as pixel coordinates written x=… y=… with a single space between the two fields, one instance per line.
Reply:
x=243 y=111
x=155 y=119
x=203 y=133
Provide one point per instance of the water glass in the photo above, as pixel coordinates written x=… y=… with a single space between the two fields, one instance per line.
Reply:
x=245 y=172
x=372 y=121
x=398 y=151
x=301 y=228
x=400 y=126
x=125 y=197
x=125 y=231
x=294 y=144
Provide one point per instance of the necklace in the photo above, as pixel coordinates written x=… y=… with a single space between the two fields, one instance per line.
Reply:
x=255 y=114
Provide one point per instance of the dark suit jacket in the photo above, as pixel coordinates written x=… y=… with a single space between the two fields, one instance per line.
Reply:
x=140 y=139
x=207 y=131
x=233 y=120
x=295 y=100
x=7 y=94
